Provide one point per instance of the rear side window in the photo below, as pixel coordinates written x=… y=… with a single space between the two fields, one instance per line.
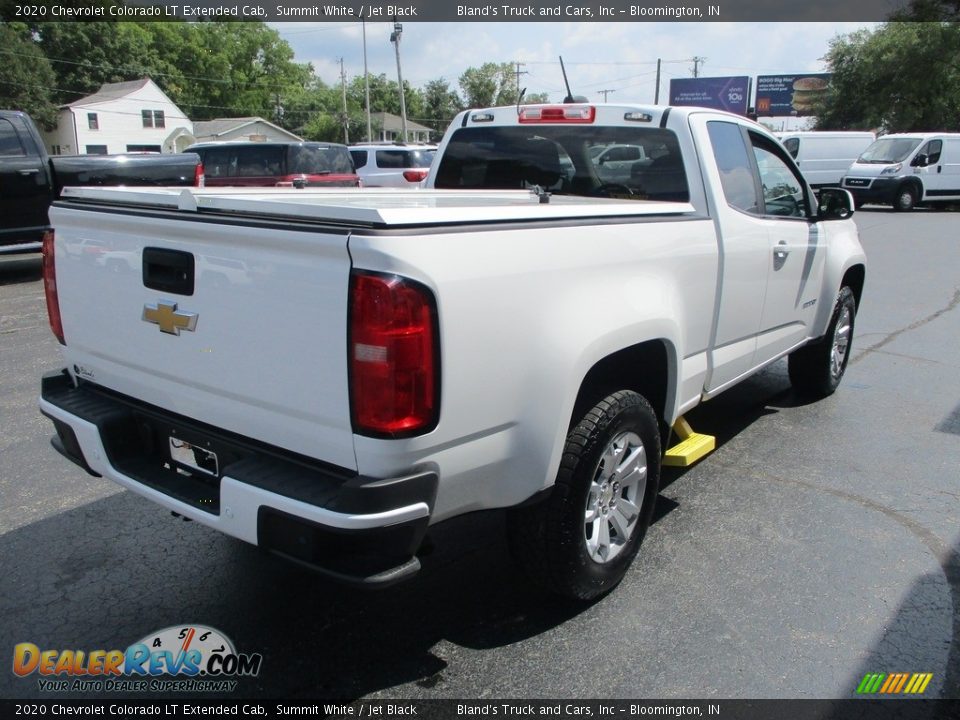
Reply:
x=359 y=157
x=320 y=160
x=402 y=159
x=259 y=161
x=217 y=162
x=564 y=159
x=9 y=142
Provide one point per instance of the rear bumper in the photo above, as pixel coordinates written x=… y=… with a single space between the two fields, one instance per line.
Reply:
x=356 y=529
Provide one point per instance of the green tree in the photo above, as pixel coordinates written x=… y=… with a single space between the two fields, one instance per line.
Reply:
x=490 y=84
x=440 y=104
x=27 y=79
x=209 y=69
x=84 y=55
x=929 y=10
x=384 y=96
x=903 y=77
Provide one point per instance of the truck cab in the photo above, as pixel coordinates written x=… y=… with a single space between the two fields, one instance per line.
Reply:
x=25 y=183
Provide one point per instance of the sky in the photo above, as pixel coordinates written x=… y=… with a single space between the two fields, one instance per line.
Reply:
x=618 y=57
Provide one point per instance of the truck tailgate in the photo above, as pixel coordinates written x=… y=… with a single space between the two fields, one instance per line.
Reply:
x=255 y=345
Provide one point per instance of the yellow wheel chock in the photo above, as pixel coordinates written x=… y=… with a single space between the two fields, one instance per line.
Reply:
x=692 y=445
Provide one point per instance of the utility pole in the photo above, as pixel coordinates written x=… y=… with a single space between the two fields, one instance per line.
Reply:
x=605 y=93
x=395 y=39
x=519 y=72
x=366 y=83
x=346 y=121
x=696 y=65
x=656 y=96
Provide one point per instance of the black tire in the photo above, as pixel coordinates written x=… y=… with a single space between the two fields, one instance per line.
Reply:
x=552 y=540
x=906 y=198
x=815 y=370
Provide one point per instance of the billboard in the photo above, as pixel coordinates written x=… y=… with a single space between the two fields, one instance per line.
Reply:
x=719 y=93
x=790 y=94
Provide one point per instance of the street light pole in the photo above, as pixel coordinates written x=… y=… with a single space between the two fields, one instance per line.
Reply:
x=366 y=83
x=395 y=39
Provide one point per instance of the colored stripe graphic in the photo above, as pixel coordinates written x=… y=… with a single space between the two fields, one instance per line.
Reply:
x=894 y=683
x=870 y=683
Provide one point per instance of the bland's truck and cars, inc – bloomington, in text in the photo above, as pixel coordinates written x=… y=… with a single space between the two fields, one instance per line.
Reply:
x=525 y=333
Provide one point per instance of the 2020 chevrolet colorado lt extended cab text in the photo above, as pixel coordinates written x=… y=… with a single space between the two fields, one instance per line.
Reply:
x=396 y=358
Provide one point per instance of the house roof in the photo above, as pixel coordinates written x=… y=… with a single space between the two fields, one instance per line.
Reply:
x=221 y=126
x=111 y=91
x=389 y=121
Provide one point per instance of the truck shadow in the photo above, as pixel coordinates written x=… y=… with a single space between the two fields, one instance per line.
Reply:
x=19 y=269
x=107 y=574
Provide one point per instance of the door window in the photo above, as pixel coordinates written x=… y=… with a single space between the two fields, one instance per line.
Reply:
x=736 y=171
x=932 y=150
x=9 y=141
x=783 y=193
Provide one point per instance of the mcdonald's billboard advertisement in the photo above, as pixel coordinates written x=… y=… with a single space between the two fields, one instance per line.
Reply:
x=795 y=95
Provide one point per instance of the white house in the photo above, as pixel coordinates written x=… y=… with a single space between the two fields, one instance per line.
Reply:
x=391 y=128
x=244 y=128
x=134 y=116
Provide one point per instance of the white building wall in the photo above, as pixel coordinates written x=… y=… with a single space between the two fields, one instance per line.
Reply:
x=61 y=140
x=120 y=124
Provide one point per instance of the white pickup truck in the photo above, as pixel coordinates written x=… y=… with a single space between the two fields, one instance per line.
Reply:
x=379 y=361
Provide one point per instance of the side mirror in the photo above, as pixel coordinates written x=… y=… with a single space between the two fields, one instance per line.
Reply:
x=835 y=204
x=921 y=160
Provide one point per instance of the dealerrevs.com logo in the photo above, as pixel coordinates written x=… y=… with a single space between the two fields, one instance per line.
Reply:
x=181 y=658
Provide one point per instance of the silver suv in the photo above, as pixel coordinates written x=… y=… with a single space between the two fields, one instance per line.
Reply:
x=392 y=165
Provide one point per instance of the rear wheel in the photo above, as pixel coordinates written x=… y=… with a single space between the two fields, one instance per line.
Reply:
x=580 y=542
x=817 y=369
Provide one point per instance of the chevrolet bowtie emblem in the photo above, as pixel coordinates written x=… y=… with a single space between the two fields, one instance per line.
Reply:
x=165 y=314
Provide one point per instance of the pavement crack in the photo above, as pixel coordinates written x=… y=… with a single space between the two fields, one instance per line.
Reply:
x=949 y=560
x=952 y=305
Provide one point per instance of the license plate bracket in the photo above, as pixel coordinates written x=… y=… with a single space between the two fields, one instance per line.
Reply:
x=193 y=458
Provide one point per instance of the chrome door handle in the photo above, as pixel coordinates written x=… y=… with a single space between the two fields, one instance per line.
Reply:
x=29 y=171
x=780 y=255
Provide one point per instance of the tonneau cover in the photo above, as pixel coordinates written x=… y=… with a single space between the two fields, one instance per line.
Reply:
x=379 y=207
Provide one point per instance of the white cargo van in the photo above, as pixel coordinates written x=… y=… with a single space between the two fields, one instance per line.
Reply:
x=906 y=169
x=825 y=156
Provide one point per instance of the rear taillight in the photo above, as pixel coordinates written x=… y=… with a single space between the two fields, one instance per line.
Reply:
x=415 y=176
x=50 y=286
x=199 y=177
x=394 y=356
x=558 y=114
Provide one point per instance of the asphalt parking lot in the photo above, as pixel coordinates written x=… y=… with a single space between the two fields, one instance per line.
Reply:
x=819 y=542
